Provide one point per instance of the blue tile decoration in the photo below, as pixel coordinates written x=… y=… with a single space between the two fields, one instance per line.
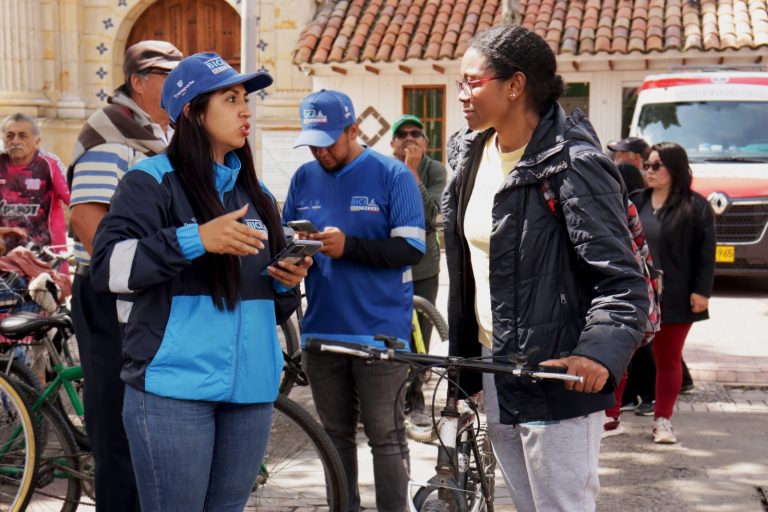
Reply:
x=101 y=72
x=262 y=45
x=262 y=94
x=263 y=69
x=108 y=23
x=102 y=48
x=102 y=95
x=122 y=3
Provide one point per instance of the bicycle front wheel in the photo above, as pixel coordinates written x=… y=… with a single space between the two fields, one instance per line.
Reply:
x=57 y=483
x=298 y=452
x=18 y=449
x=428 y=310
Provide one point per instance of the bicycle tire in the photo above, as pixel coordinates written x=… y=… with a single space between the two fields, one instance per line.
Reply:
x=57 y=456
x=487 y=460
x=23 y=373
x=291 y=345
x=298 y=449
x=16 y=447
x=70 y=417
x=435 y=506
x=430 y=312
x=289 y=337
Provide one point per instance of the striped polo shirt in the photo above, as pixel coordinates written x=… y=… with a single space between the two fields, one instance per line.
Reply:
x=95 y=179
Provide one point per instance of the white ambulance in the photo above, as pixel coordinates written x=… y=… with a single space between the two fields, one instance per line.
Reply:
x=721 y=119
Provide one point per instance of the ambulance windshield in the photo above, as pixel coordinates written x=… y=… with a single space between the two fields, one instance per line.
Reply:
x=709 y=130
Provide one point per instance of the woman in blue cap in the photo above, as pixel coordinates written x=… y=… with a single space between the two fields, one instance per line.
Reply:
x=183 y=245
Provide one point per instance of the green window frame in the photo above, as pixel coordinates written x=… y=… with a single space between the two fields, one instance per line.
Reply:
x=427 y=102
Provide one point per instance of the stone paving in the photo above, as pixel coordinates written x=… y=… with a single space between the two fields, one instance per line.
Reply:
x=728 y=358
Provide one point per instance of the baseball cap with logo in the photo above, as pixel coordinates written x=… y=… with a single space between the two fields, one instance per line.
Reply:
x=201 y=73
x=406 y=119
x=324 y=115
x=150 y=54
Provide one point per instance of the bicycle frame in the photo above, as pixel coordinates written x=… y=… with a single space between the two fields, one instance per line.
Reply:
x=418 y=339
x=64 y=377
x=450 y=478
x=450 y=471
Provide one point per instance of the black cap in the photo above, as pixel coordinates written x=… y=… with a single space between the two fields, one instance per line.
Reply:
x=632 y=144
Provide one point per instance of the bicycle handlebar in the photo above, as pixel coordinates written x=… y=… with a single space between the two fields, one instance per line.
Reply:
x=318 y=345
x=48 y=250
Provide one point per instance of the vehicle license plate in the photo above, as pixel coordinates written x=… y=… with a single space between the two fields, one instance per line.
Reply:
x=725 y=254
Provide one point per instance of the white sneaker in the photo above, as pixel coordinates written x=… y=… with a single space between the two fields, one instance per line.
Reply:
x=612 y=428
x=663 y=433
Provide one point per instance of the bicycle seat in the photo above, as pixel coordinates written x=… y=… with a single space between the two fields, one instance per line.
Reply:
x=25 y=324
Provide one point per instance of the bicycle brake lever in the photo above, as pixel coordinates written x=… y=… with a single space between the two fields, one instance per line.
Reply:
x=390 y=342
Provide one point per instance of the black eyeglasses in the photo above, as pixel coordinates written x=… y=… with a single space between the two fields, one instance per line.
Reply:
x=655 y=166
x=414 y=134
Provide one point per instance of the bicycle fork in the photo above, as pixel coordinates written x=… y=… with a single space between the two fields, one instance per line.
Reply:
x=451 y=466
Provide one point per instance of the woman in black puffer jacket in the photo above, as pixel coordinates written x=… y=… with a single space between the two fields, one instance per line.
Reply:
x=541 y=280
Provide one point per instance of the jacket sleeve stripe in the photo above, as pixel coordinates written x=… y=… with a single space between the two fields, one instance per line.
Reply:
x=120 y=264
x=123 y=310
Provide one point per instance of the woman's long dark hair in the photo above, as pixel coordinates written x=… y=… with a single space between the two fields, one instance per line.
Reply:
x=678 y=207
x=191 y=154
x=511 y=48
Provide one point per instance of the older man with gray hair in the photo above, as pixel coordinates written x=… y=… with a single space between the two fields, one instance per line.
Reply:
x=33 y=191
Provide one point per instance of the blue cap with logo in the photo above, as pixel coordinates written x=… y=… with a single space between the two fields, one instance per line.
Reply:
x=324 y=115
x=201 y=73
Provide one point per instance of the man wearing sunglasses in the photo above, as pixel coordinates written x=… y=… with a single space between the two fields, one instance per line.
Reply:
x=409 y=145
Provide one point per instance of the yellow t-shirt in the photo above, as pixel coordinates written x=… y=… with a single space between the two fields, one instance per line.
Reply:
x=494 y=167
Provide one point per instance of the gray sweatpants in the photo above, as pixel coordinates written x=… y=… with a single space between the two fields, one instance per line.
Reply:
x=548 y=466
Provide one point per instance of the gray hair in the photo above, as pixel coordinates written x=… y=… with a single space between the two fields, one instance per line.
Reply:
x=21 y=117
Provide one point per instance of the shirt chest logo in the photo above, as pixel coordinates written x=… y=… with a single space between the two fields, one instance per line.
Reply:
x=256 y=224
x=364 y=204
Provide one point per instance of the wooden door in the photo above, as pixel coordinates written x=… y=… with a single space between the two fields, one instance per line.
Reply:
x=193 y=26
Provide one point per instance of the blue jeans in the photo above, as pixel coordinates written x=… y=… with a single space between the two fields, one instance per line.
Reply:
x=346 y=390
x=193 y=456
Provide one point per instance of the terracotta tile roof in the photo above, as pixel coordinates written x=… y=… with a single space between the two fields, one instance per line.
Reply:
x=397 y=30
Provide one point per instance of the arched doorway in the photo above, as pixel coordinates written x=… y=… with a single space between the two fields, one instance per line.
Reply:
x=193 y=26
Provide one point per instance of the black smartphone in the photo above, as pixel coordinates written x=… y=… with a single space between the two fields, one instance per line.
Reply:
x=294 y=252
x=305 y=226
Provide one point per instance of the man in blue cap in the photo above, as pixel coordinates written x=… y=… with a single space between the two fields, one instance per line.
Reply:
x=370 y=218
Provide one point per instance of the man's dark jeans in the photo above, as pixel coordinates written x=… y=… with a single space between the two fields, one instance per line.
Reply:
x=101 y=355
x=346 y=390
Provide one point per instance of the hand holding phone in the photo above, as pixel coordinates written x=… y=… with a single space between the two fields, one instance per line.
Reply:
x=294 y=253
x=303 y=226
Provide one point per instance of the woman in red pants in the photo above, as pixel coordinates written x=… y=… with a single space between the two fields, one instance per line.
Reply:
x=679 y=226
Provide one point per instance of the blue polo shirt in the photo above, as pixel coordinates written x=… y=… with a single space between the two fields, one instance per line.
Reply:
x=373 y=197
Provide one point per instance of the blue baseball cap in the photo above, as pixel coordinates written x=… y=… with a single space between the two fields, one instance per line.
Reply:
x=201 y=73
x=324 y=115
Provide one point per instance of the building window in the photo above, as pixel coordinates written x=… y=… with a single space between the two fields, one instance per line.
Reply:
x=628 y=101
x=427 y=102
x=576 y=96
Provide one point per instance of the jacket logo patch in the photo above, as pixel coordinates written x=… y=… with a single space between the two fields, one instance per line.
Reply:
x=363 y=204
x=256 y=224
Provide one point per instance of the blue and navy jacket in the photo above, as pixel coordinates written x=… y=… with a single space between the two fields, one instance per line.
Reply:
x=176 y=343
